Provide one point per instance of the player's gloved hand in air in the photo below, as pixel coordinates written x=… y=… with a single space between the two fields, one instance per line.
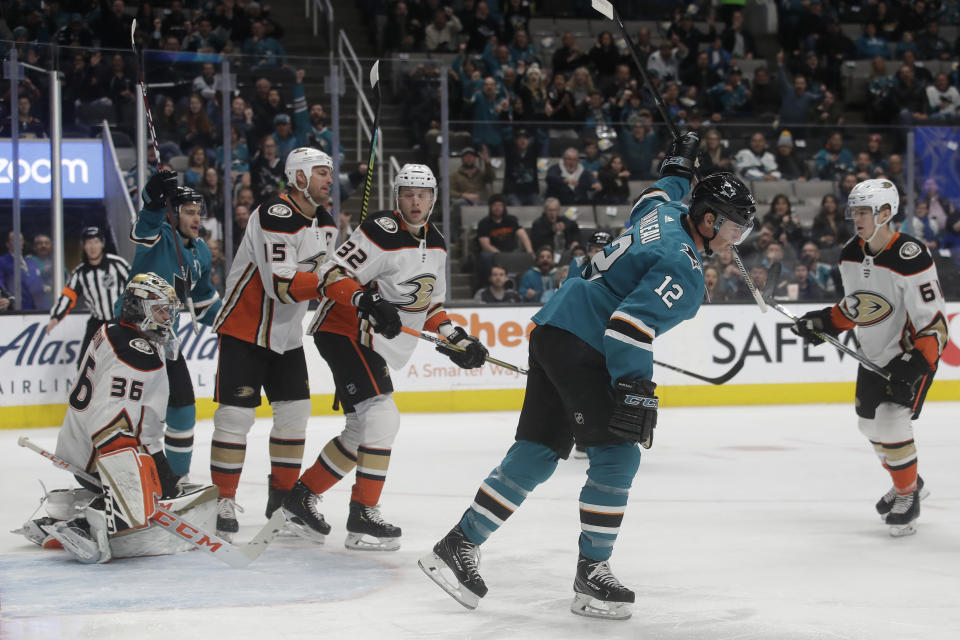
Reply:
x=817 y=320
x=474 y=354
x=158 y=187
x=681 y=160
x=906 y=371
x=380 y=313
x=635 y=414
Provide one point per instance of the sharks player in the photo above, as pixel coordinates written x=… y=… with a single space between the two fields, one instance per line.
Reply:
x=590 y=380
x=157 y=252
x=274 y=275
x=389 y=273
x=895 y=303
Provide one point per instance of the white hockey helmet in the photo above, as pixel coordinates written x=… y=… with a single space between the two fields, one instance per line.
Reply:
x=875 y=193
x=305 y=159
x=415 y=175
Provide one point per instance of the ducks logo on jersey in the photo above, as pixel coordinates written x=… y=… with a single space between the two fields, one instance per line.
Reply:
x=866 y=307
x=419 y=299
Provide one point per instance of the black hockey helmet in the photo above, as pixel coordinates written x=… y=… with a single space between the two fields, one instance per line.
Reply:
x=188 y=195
x=92 y=232
x=600 y=239
x=728 y=198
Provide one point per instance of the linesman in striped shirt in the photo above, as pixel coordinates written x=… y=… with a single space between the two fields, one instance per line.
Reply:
x=100 y=279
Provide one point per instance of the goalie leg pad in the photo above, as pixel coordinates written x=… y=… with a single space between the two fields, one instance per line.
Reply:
x=64 y=504
x=198 y=504
x=131 y=486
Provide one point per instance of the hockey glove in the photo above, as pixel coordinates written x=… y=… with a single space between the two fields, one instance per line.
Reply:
x=906 y=372
x=682 y=158
x=635 y=414
x=474 y=355
x=815 y=321
x=379 y=313
x=158 y=187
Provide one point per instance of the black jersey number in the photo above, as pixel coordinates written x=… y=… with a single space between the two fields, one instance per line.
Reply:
x=927 y=292
x=118 y=388
x=82 y=392
x=352 y=254
x=276 y=251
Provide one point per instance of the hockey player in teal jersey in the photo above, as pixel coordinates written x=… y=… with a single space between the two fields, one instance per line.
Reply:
x=157 y=252
x=590 y=377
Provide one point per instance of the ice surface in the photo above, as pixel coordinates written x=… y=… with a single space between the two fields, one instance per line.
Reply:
x=743 y=523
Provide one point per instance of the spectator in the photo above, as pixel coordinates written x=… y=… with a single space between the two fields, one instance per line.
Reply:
x=496 y=292
x=764 y=94
x=266 y=170
x=312 y=131
x=830 y=229
x=489 y=112
x=521 y=51
x=940 y=208
x=833 y=161
x=43 y=257
x=796 y=101
x=196 y=167
x=218 y=267
x=264 y=109
x=283 y=135
x=521 y=176
x=595 y=115
x=569 y=181
x=204 y=40
x=212 y=191
x=786 y=230
x=553 y=230
x=75 y=33
x=683 y=31
x=194 y=126
x=516 y=17
x=791 y=167
x=829 y=111
x=569 y=56
x=894 y=172
x=533 y=94
x=862 y=166
x=241 y=215
x=605 y=57
x=737 y=40
x=755 y=162
x=713 y=291
x=581 y=86
x=539 y=283
x=266 y=50
x=31 y=279
x=560 y=105
x=239 y=153
x=113 y=27
x=167 y=126
x=823 y=273
x=497 y=59
x=614 y=182
x=698 y=78
x=718 y=59
x=441 y=34
x=870 y=44
x=920 y=72
x=470 y=184
x=930 y=46
x=875 y=149
x=591 y=158
x=836 y=48
x=621 y=86
x=942 y=99
x=909 y=100
x=807 y=287
x=640 y=146
x=498 y=232
x=207 y=84
x=29 y=127
x=121 y=89
x=921 y=226
x=713 y=155
x=480 y=28
x=817 y=75
x=730 y=96
x=665 y=61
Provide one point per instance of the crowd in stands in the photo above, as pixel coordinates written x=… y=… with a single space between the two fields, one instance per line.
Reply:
x=570 y=123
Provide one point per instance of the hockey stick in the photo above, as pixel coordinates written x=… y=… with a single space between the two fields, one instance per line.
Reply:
x=606 y=8
x=232 y=555
x=187 y=280
x=773 y=275
x=436 y=340
x=738 y=365
x=374 y=139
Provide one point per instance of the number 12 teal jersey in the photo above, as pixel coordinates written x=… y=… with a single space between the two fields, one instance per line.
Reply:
x=644 y=283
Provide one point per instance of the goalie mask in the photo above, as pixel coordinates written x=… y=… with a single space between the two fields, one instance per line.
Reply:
x=150 y=304
x=874 y=195
x=416 y=176
x=729 y=200
x=305 y=159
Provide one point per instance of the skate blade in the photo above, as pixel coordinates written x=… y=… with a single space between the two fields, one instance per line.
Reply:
x=302 y=530
x=587 y=606
x=362 y=542
x=227 y=535
x=903 y=530
x=434 y=567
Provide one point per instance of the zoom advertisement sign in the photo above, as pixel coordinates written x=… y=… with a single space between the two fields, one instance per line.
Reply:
x=81 y=162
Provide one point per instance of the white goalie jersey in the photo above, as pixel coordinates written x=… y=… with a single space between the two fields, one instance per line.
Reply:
x=893 y=299
x=407 y=272
x=274 y=274
x=119 y=398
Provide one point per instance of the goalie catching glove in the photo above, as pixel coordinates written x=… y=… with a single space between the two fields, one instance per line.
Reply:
x=379 y=313
x=906 y=371
x=811 y=323
x=472 y=355
x=635 y=414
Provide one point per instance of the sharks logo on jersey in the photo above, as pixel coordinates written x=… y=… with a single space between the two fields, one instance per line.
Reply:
x=695 y=263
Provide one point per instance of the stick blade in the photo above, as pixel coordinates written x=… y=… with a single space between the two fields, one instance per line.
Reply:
x=605 y=7
x=374 y=74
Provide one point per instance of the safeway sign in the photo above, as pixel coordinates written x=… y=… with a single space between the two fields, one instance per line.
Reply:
x=81 y=162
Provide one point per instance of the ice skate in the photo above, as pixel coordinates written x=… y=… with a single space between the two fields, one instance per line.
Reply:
x=33 y=531
x=227 y=525
x=368 y=531
x=885 y=503
x=598 y=593
x=275 y=497
x=456 y=555
x=300 y=508
x=84 y=537
x=902 y=518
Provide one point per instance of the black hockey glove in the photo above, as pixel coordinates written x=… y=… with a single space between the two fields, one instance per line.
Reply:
x=380 y=313
x=818 y=321
x=906 y=371
x=158 y=187
x=475 y=353
x=635 y=414
x=682 y=157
